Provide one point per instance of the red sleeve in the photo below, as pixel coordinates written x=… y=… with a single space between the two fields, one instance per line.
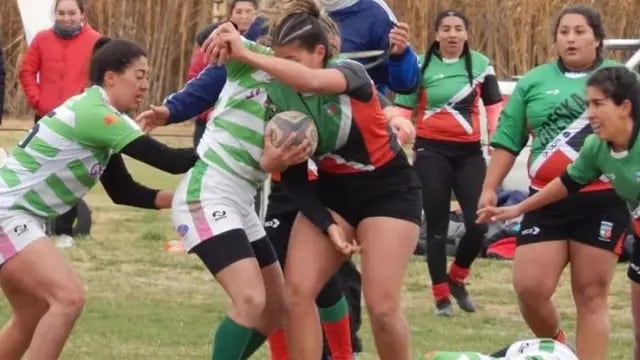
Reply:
x=197 y=64
x=29 y=68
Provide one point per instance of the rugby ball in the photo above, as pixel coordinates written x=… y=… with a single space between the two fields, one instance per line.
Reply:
x=285 y=123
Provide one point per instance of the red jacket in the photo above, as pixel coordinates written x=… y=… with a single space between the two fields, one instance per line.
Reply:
x=62 y=66
x=197 y=65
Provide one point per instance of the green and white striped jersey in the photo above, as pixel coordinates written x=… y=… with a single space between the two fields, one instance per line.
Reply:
x=534 y=349
x=234 y=138
x=64 y=154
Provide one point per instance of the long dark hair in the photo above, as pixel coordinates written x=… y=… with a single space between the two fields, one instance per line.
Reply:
x=435 y=46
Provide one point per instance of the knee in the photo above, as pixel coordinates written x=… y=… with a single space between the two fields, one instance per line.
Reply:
x=383 y=308
x=299 y=294
x=250 y=304
x=591 y=296
x=69 y=299
x=532 y=290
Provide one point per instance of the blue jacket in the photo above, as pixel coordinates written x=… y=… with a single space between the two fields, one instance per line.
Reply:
x=365 y=26
x=201 y=92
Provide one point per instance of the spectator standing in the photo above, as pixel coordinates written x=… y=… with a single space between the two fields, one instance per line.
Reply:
x=55 y=68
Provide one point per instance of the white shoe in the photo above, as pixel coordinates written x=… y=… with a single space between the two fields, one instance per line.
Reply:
x=64 y=241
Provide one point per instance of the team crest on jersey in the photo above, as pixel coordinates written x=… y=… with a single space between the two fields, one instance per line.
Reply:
x=606 y=229
x=332 y=108
x=110 y=119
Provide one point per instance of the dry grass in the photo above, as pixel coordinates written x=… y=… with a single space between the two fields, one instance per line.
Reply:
x=514 y=33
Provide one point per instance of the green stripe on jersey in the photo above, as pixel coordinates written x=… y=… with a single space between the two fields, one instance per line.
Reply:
x=9 y=177
x=35 y=201
x=218 y=161
x=240 y=132
x=253 y=108
x=81 y=173
x=25 y=160
x=61 y=190
x=43 y=148
x=241 y=156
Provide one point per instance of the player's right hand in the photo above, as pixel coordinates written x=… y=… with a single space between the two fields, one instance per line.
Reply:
x=154 y=117
x=488 y=199
x=340 y=242
x=278 y=159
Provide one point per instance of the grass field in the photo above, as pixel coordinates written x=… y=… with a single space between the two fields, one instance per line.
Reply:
x=144 y=303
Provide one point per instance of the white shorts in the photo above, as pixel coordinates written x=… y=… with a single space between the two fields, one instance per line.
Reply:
x=209 y=201
x=17 y=231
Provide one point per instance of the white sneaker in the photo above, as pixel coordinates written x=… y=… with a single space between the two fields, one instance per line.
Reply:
x=64 y=241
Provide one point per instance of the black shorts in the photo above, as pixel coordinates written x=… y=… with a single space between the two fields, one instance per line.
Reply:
x=393 y=190
x=231 y=246
x=596 y=218
x=634 y=262
x=278 y=227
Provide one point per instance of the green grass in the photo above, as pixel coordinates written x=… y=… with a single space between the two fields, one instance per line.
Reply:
x=144 y=303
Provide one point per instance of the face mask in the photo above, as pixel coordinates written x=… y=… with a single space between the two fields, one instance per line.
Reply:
x=333 y=5
x=65 y=31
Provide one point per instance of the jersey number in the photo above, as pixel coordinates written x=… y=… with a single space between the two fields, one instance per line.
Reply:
x=33 y=132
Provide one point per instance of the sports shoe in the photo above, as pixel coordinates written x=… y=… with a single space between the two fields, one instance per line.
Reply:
x=64 y=241
x=459 y=292
x=444 y=308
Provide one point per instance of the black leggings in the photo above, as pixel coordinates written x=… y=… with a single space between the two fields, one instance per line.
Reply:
x=444 y=167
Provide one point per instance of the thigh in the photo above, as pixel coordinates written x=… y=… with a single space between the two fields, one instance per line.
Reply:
x=39 y=271
x=538 y=266
x=391 y=241
x=312 y=259
x=278 y=228
x=469 y=175
x=592 y=269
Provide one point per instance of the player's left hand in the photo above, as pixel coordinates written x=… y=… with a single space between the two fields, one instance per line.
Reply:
x=399 y=38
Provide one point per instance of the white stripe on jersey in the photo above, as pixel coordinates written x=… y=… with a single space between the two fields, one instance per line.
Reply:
x=64 y=114
x=346 y=120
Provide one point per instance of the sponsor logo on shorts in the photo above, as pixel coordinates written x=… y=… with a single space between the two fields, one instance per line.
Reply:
x=531 y=231
x=273 y=223
x=20 y=229
x=96 y=170
x=635 y=268
x=606 y=229
x=182 y=229
x=219 y=215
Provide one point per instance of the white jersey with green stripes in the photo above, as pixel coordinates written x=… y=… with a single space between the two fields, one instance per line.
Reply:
x=534 y=349
x=64 y=154
x=234 y=138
